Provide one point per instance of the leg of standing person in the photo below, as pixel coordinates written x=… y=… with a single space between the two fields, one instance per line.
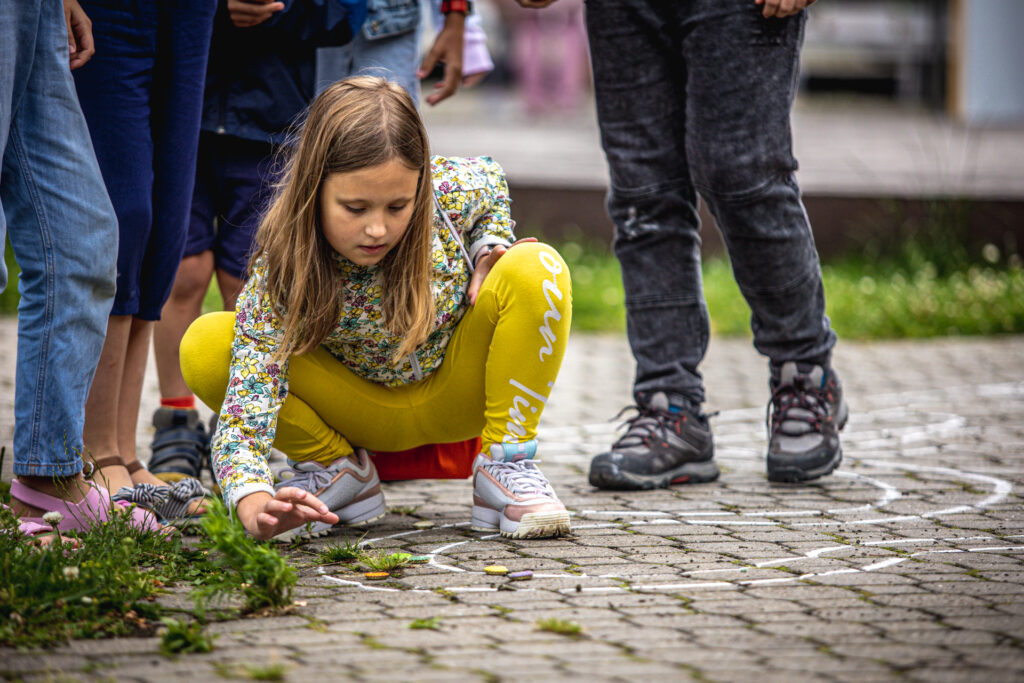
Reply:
x=745 y=173
x=641 y=105
x=742 y=76
x=142 y=100
x=62 y=228
x=232 y=186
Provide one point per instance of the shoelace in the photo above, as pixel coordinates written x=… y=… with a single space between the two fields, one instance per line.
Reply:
x=645 y=424
x=521 y=477
x=310 y=481
x=796 y=402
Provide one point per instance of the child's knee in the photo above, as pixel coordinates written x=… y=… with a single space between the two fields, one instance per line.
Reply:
x=205 y=356
x=537 y=267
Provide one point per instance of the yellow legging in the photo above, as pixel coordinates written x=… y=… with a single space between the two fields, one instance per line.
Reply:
x=497 y=373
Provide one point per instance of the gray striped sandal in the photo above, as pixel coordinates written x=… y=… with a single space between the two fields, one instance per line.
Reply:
x=170 y=503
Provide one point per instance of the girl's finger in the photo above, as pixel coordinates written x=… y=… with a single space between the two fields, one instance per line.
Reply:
x=279 y=507
x=263 y=519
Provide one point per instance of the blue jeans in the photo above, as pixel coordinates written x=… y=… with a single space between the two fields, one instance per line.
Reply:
x=64 y=233
x=142 y=94
x=694 y=97
x=387 y=46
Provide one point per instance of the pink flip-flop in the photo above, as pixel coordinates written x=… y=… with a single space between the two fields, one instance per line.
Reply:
x=94 y=509
x=33 y=529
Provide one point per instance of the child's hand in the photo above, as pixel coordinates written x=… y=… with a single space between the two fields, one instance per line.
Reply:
x=246 y=13
x=484 y=265
x=783 y=8
x=264 y=516
x=81 y=46
x=447 y=48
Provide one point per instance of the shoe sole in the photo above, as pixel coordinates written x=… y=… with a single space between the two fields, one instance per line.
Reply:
x=532 y=525
x=358 y=515
x=608 y=475
x=788 y=473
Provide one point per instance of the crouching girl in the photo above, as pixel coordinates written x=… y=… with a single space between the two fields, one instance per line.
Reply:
x=388 y=307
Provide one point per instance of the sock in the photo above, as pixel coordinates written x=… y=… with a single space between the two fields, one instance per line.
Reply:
x=182 y=402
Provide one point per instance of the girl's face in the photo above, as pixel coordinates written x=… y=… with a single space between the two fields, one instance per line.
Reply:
x=365 y=213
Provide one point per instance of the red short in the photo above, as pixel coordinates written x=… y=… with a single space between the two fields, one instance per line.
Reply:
x=432 y=461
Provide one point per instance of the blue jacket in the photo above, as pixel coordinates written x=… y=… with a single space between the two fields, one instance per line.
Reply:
x=261 y=78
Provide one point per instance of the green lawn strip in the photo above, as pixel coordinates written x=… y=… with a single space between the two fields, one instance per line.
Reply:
x=908 y=295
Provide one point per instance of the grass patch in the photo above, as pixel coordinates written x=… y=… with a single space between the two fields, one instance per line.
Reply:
x=104 y=588
x=108 y=586
x=264 y=577
x=929 y=286
x=381 y=561
x=560 y=626
x=272 y=671
x=180 y=636
x=432 y=623
x=341 y=552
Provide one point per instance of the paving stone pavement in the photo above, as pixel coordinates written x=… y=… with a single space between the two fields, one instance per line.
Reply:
x=906 y=564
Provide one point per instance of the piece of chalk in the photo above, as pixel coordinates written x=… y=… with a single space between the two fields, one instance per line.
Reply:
x=521 y=576
x=496 y=570
x=424 y=524
x=376 y=576
x=419 y=559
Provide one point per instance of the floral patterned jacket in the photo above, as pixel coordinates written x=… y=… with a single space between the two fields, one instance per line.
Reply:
x=474 y=194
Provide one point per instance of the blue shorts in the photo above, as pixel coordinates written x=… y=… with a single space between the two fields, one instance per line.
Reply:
x=142 y=96
x=233 y=188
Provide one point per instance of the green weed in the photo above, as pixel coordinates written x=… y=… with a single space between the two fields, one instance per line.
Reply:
x=180 y=636
x=265 y=578
x=560 y=626
x=433 y=623
x=341 y=552
x=381 y=561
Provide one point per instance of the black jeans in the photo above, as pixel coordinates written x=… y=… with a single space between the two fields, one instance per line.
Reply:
x=695 y=96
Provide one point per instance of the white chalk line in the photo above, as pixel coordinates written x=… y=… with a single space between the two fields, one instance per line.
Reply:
x=889 y=493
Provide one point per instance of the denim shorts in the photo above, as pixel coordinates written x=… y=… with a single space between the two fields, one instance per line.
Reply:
x=233 y=188
x=142 y=97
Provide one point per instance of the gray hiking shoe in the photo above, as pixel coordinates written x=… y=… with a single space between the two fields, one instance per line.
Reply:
x=661 y=447
x=805 y=414
x=348 y=486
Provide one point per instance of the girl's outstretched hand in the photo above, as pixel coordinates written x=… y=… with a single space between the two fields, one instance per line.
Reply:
x=264 y=516
x=484 y=265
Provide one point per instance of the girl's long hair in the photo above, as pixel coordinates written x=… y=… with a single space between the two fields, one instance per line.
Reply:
x=356 y=123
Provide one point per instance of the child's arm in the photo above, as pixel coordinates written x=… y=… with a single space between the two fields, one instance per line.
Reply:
x=488 y=219
x=247 y=424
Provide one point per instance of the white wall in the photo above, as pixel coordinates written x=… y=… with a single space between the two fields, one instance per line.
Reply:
x=992 y=62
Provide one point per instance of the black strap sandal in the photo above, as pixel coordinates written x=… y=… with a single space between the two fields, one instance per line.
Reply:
x=180 y=445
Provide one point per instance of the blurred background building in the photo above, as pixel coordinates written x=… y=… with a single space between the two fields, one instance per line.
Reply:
x=904 y=106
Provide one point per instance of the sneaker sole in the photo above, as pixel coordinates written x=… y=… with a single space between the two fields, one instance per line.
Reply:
x=790 y=473
x=533 y=525
x=608 y=475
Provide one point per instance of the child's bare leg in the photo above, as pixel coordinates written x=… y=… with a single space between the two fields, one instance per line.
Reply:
x=184 y=305
x=101 y=407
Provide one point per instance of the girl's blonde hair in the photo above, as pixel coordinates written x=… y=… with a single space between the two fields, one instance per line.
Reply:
x=354 y=124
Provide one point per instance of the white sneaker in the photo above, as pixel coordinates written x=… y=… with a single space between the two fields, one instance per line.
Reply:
x=512 y=495
x=348 y=486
